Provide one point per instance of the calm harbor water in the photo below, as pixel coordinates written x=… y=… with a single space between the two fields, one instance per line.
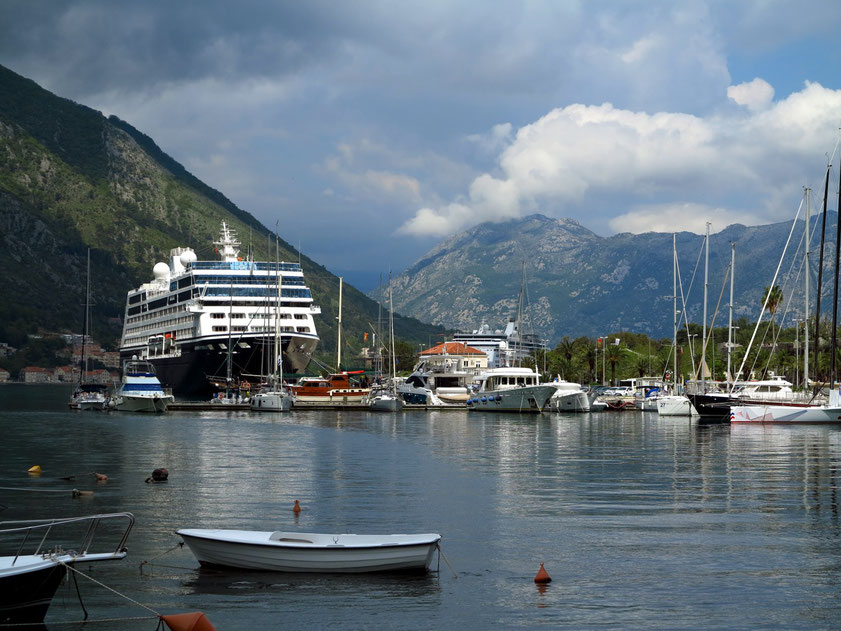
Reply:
x=642 y=522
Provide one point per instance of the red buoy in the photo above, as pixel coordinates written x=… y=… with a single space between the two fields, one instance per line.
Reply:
x=297 y=508
x=195 y=621
x=542 y=576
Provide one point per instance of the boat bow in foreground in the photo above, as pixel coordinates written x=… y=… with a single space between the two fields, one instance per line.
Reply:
x=30 y=576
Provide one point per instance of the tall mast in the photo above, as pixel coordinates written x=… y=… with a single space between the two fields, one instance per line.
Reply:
x=835 y=302
x=519 y=347
x=806 y=294
x=230 y=323
x=674 y=311
x=820 y=269
x=391 y=327
x=730 y=320
x=278 y=358
x=83 y=367
x=339 y=341
x=704 y=329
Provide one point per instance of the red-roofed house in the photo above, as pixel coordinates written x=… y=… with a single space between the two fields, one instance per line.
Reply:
x=65 y=373
x=36 y=374
x=454 y=357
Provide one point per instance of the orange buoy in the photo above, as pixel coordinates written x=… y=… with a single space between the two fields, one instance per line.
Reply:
x=195 y=621
x=297 y=508
x=542 y=576
x=35 y=469
x=101 y=477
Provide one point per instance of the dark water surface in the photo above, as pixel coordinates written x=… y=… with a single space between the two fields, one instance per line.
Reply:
x=642 y=522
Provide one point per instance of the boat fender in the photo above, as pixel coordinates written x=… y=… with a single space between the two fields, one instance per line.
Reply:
x=484 y=399
x=499 y=397
x=195 y=621
x=158 y=475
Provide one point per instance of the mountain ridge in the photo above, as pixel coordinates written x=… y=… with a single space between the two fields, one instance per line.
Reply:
x=580 y=283
x=70 y=179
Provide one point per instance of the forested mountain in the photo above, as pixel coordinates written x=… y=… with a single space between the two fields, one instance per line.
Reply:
x=72 y=179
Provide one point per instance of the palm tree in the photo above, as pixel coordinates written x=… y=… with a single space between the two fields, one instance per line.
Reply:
x=774 y=296
x=567 y=347
x=590 y=356
x=641 y=366
x=614 y=356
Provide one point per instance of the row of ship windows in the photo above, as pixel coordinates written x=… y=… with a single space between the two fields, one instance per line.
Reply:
x=221 y=290
x=284 y=329
x=132 y=322
x=131 y=327
x=143 y=337
x=200 y=280
x=227 y=302
x=256 y=316
x=209 y=291
x=246 y=265
x=159 y=314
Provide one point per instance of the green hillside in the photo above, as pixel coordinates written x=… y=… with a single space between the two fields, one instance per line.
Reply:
x=72 y=179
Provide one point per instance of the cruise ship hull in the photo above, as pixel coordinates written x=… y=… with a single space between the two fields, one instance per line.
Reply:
x=199 y=364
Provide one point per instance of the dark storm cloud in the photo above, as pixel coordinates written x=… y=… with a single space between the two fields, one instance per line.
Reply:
x=87 y=47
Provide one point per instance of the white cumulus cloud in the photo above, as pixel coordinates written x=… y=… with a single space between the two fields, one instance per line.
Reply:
x=590 y=160
x=679 y=217
x=755 y=95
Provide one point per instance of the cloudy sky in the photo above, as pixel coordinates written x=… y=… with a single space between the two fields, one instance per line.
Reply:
x=370 y=130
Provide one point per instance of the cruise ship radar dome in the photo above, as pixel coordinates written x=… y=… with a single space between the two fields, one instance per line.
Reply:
x=161 y=270
x=188 y=257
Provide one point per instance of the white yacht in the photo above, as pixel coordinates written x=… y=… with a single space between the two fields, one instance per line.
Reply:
x=140 y=390
x=568 y=397
x=675 y=405
x=436 y=386
x=206 y=322
x=510 y=390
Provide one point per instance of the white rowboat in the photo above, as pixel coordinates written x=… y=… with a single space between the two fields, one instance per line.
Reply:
x=311 y=552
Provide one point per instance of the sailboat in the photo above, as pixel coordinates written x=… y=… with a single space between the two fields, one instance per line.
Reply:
x=828 y=412
x=386 y=399
x=87 y=396
x=274 y=398
x=335 y=388
x=676 y=404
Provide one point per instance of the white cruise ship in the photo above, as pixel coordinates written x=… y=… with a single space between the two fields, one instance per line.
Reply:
x=202 y=322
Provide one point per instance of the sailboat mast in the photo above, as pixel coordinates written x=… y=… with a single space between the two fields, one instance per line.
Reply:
x=83 y=367
x=674 y=310
x=339 y=340
x=391 y=327
x=519 y=347
x=704 y=328
x=230 y=351
x=806 y=292
x=730 y=321
x=278 y=354
x=835 y=302
x=820 y=269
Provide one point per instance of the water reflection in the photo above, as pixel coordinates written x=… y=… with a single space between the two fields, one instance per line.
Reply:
x=738 y=526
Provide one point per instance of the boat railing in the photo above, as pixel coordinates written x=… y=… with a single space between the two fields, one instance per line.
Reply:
x=41 y=529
